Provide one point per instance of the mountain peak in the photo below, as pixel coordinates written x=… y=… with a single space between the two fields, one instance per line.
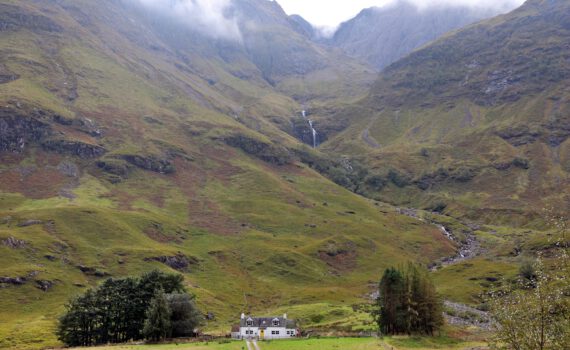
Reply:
x=382 y=35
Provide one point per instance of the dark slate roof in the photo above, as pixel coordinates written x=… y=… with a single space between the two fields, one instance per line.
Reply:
x=264 y=322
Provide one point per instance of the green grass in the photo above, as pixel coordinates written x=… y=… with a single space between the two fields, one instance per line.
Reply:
x=399 y=343
x=271 y=265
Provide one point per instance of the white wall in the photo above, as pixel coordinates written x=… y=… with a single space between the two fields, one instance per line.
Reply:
x=268 y=333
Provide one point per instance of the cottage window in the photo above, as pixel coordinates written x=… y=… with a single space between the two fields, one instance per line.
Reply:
x=249 y=322
x=275 y=322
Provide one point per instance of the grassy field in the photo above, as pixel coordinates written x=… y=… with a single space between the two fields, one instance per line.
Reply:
x=397 y=343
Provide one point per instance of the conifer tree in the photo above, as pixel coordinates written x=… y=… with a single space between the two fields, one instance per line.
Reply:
x=408 y=302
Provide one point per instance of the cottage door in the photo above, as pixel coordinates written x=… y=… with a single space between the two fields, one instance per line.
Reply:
x=262 y=334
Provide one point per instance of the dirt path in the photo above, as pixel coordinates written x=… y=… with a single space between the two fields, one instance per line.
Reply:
x=248 y=343
x=256 y=345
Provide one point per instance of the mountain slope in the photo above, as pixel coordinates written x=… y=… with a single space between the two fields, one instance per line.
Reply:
x=128 y=144
x=381 y=36
x=455 y=119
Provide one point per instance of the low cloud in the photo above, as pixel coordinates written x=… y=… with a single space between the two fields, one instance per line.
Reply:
x=210 y=17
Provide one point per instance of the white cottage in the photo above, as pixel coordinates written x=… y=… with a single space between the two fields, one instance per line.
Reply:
x=265 y=328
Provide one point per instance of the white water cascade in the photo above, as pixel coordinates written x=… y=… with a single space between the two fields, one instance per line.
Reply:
x=313 y=130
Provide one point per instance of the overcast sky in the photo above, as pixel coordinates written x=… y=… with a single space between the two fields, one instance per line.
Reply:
x=330 y=13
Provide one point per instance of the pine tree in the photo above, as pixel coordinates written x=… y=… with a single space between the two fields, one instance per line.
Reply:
x=157 y=324
x=408 y=302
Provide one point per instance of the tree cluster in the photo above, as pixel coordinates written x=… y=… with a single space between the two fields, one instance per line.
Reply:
x=121 y=310
x=408 y=302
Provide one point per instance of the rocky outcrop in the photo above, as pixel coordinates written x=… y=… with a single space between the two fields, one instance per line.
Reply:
x=553 y=133
x=262 y=150
x=519 y=135
x=30 y=223
x=17 y=131
x=557 y=131
x=68 y=169
x=518 y=162
x=150 y=163
x=44 y=285
x=85 y=125
x=21 y=127
x=116 y=167
x=459 y=175
x=14 y=243
x=74 y=148
x=91 y=271
x=15 y=281
x=7 y=78
x=178 y=262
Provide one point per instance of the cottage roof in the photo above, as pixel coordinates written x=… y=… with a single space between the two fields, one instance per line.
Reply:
x=264 y=322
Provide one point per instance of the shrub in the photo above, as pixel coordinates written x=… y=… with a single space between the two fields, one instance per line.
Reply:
x=527 y=270
x=522 y=163
x=397 y=178
x=317 y=318
x=376 y=182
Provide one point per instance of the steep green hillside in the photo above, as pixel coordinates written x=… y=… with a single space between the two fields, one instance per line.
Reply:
x=475 y=124
x=127 y=144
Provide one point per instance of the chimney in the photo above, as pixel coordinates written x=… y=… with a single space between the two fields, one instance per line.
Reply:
x=242 y=315
x=285 y=316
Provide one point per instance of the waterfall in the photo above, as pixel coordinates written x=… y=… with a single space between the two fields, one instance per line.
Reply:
x=313 y=130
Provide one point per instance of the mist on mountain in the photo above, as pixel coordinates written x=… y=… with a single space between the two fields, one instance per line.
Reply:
x=210 y=17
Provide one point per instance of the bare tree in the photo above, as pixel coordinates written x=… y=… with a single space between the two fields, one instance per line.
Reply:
x=534 y=314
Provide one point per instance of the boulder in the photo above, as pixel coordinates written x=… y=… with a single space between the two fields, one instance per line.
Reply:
x=44 y=285
x=178 y=262
x=14 y=243
x=16 y=281
x=30 y=223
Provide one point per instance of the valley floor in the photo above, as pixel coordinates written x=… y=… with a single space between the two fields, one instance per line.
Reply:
x=395 y=343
